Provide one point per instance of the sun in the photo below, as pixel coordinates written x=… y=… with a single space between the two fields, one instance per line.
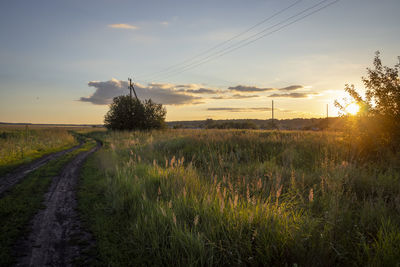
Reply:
x=352 y=109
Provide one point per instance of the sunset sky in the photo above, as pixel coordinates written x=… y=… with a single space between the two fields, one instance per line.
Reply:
x=63 y=61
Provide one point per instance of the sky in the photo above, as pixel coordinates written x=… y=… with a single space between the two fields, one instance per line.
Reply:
x=64 y=61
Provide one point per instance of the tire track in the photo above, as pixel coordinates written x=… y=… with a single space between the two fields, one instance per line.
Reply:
x=57 y=237
x=14 y=177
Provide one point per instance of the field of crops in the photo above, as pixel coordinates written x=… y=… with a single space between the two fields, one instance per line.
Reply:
x=239 y=197
x=23 y=144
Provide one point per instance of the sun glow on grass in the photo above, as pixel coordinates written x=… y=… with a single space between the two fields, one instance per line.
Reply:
x=352 y=109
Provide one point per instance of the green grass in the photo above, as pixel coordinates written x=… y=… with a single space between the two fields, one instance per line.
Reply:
x=18 y=206
x=23 y=145
x=239 y=198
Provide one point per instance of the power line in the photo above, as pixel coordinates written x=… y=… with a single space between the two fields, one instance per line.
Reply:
x=237 y=46
x=226 y=41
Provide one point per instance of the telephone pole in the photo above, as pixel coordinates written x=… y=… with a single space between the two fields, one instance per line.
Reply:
x=132 y=88
x=327 y=116
x=272 y=111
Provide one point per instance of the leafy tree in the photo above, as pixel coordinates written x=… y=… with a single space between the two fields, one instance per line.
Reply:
x=378 y=122
x=132 y=114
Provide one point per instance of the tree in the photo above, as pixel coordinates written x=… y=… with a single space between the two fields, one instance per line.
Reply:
x=378 y=121
x=132 y=114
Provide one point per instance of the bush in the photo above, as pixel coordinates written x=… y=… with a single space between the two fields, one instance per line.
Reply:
x=377 y=124
x=132 y=114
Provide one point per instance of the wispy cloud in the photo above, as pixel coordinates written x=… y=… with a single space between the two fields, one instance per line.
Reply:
x=123 y=26
x=294 y=95
x=256 y=109
x=199 y=91
x=239 y=109
x=244 y=88
x=234 y=96
x=291 y=88
x=249 y=89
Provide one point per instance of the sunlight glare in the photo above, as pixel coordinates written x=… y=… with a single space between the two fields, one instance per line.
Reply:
x=352 y=109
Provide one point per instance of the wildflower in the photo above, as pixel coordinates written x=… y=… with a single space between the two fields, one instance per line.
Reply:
x=174 y=218
x=311 y=195
x=163 y=212
x=278 y=194
x=235 y=202
x=196 y=220
x=173 y=161
x=221 y=206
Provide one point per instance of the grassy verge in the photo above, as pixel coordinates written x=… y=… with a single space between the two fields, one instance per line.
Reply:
x=21 y=146
x=19 y=205
x=239 y=198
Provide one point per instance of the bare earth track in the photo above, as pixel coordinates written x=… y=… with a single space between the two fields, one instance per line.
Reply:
x=14 y=177
x=57 y=236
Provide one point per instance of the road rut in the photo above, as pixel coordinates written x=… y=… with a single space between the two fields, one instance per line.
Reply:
x=57 y=238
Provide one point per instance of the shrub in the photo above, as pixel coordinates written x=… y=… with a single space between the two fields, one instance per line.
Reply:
x=132 y=114
x=377 y=124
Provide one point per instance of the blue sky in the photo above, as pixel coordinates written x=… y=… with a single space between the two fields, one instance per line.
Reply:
x=62 y=61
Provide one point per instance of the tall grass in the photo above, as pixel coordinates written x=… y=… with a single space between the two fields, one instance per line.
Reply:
x=193 y=197
x=19 y=145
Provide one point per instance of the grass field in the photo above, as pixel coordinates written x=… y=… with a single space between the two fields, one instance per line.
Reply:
x=226 y=197
x=20 y=145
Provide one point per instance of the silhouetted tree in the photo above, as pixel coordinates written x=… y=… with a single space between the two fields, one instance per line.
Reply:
x=132 y=114
x=378 y=121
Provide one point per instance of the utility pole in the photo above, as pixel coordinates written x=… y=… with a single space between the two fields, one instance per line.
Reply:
x=327 y=117
x=327 y=114
x=272 y=111
x=132 y=88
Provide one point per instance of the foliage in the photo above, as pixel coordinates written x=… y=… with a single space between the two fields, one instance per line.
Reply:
x=239 y=197
x=377 y=126
x=127 y=113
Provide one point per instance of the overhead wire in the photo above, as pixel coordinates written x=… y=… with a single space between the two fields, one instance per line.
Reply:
x=226 y=41
x=248 y=40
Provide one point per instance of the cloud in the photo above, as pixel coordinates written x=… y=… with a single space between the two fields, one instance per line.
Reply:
x=123 y=26
x=179 y=94
x=243 y=88
x=160 y=93
x=294 y=95
x=291 y=88
x=165 y=23
x=234 y=96
x=239 y=109
x=258 y=109
x=239 y=96
x=199 y=91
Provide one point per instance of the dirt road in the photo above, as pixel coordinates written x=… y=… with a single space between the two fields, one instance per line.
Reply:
x=57 y=237
x=12 y=178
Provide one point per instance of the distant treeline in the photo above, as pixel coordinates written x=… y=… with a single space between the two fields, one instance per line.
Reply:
x=287 y=124
x=211 y=124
